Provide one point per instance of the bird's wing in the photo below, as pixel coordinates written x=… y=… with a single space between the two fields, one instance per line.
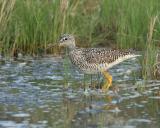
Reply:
x=103 y=55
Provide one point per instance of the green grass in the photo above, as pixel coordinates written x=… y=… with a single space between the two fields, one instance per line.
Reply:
x=29 y=26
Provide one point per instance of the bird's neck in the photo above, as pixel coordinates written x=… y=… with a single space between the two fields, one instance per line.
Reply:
x=71 y=47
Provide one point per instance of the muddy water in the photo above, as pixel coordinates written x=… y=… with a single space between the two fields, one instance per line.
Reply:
x=38 y=93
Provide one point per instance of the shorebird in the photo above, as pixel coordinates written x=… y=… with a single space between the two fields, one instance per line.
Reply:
x=94 y=60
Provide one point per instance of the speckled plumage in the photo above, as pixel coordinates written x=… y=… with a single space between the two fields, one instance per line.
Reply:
x=93 y=60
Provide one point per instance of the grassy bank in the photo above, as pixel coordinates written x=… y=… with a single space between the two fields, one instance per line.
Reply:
x=29 y=26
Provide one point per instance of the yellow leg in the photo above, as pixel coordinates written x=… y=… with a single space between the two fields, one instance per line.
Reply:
x=108 y=77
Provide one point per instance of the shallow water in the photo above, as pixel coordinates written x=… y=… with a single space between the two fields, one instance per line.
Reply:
x=38 y=93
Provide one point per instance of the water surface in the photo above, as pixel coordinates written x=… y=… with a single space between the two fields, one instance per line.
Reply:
x=39 y=93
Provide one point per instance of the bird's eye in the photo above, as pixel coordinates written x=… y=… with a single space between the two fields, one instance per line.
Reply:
x=65 y=39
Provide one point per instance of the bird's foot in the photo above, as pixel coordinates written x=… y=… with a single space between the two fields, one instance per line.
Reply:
x=105 y=87
x=108 y=84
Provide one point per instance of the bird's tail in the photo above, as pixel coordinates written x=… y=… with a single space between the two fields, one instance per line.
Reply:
x=123 y=58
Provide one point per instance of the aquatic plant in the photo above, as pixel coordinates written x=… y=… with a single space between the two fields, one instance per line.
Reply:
x=134 y=24
x=28 y=27
x=150 y=52
x=6 y=9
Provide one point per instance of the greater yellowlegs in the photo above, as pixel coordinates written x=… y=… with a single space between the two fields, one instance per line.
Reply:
x=94 y=60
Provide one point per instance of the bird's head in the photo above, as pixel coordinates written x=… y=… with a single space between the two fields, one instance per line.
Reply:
x=67 y=41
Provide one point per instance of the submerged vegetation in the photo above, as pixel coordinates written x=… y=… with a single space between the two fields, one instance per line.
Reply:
x=29 y=26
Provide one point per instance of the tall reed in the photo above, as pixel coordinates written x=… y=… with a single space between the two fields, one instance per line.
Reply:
x=6 y=9
x=134 y=24
x=35 y=24
x=29 y=26
x=130 y=20
x=151 y=51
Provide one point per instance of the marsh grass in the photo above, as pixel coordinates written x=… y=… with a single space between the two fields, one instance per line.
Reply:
x=136 y=25
x=151 y=51
x=6 y=9
x=29 y=26
x=35 y=24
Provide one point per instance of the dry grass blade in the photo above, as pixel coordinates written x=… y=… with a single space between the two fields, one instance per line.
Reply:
x=150 y=54
x=151 y=29
x=6 y=7
x=157 y=65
